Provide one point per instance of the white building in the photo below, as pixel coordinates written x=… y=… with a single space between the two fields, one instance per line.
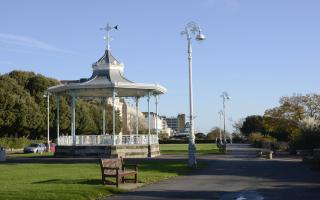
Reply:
x=128 y=116
x=158 y=123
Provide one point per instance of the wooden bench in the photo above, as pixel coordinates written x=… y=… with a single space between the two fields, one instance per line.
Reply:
x=115 y=167
x=265 y=153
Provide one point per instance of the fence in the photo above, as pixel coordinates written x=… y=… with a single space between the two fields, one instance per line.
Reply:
x=108 y=140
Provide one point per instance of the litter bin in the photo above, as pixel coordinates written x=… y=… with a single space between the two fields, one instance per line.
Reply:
x=2 y=154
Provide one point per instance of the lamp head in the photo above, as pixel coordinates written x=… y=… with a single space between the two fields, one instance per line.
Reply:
x=200 y=37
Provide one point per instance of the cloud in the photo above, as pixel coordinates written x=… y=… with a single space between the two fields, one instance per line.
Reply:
x=12 y=39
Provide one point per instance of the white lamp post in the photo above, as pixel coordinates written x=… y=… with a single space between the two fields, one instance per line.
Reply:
x=192 y=29
x=47 y=95
x=224 y=97
x=220 y=116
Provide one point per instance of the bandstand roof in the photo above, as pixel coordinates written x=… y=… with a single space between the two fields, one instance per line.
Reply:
x=107 y=76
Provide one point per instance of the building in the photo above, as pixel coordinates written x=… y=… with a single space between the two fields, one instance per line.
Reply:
x=129 y=119
x=158 y=123
x=177 y=124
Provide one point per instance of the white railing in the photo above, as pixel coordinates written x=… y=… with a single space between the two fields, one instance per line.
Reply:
x=108 y=140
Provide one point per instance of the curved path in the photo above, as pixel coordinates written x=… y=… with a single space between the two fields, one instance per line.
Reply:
x=238 y=175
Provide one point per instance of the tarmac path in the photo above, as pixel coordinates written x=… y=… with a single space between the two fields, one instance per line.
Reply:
x=239 y=175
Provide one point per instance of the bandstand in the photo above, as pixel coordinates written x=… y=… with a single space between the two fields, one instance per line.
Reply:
x=106 y=81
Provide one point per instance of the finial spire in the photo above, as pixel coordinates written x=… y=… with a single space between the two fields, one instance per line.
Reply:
x=108 y=28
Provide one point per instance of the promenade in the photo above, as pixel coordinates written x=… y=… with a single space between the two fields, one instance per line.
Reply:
x=238 y=175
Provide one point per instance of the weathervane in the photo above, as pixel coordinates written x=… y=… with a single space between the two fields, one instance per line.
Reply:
x=108 y=28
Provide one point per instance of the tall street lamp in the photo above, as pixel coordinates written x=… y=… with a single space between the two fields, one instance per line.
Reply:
x=220 y=116
x=47 y=95
x=224 y=97
x=191 y=30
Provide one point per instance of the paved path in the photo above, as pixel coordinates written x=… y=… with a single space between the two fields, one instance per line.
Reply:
x=238 y=175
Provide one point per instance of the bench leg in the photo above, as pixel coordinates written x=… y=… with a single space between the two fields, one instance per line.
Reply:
x=103 y=180
x=136 y=178
x=117 y=181
x=122 y=179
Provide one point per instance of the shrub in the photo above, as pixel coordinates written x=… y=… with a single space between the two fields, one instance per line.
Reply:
x=307 y=139
x=259 y=141
x=309 y=136
x=15 y=143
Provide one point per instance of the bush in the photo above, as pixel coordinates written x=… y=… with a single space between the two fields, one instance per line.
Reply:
x=16 y=143
x=259 y=141
x=306 y=140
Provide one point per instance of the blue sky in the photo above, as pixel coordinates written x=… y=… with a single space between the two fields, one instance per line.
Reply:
x=256 y=50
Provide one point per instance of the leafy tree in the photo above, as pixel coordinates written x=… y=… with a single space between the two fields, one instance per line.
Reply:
x=19 y=114
x=200 y=136
x=23 y=108
x=21 y=77
x=252 y=124
x=302 y=105
x=214 y=133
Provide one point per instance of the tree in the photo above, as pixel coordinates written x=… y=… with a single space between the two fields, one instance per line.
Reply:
x=282 y=122
x=238 y=125
x=303 y=105
x=200 y=136
x=214 y=133
x=252 y=124
x=19 y=114
x=23 y=108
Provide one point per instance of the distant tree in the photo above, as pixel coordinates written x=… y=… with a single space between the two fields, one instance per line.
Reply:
x=282 y=122
x=301 y=106
x=200 y=136
x=238 y=125
x=214 y=133
x=252 y=124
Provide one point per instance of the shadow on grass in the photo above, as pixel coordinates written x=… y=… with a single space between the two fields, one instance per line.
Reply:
x=71 y=181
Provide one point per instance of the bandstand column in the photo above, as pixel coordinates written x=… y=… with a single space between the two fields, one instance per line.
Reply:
x=137 y=115
x=113 y=116
x=58 y=118
x=103 y=116
x=156 y=102
x=73 y=118
x=149 y=120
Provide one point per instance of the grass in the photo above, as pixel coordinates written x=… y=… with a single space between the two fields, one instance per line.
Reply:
x=182 y=149
x=80 y=181
x=72 y=181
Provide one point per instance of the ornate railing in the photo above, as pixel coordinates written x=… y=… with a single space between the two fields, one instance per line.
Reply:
x=108 y=140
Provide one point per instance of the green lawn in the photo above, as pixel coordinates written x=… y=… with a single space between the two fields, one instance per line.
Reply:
x=182 y=149
x=37 y=181
x=72 y=181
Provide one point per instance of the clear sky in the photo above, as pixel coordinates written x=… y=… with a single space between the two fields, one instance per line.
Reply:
x=256 y=50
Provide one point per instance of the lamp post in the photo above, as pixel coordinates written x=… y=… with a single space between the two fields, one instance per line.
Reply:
x=230 y=136
x=192 y=29
x=224 y=97
x=220 y=116
x=47 y=95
